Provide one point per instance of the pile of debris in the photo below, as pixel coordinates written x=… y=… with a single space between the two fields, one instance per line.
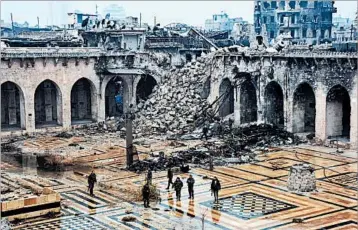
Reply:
x=173 y=104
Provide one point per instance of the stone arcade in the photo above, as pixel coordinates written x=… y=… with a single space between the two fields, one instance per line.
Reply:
x=303 y=92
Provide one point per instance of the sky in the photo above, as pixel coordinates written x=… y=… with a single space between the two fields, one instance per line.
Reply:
x=190 y=12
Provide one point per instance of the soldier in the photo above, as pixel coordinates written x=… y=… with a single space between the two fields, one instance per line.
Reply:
x=191 y=183
x=149 y=176
x=178 y=185
x=215 y=187
x=205 y=132
x=91 y=180
x=146 y=194
x=170 y=177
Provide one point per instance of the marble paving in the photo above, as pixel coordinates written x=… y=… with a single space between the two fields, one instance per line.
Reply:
x=253 y=196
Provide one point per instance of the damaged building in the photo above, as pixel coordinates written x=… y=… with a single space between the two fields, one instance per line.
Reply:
x=299 y=91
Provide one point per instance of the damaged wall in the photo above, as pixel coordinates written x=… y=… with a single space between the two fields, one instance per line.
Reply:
x=286 y=89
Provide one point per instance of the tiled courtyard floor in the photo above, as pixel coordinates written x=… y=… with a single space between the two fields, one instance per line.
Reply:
x=253 y=196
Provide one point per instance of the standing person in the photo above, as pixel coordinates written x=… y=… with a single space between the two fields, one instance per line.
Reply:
x=170 y=177
x=215 y=187
x=191 y=183
x=146 y=194
x=178 y=185
x=91 y=180
x=220 y=129
x=205 y=132
x=149 y=176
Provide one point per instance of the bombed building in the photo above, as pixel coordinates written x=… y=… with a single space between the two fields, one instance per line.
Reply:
x=300 y=91
x=308 y=22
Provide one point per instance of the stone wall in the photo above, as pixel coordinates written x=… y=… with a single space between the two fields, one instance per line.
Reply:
x=252 y=75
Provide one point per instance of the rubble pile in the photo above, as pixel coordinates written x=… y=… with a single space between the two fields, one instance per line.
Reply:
x=261 y=136
x=5 y=224
x=174 y=102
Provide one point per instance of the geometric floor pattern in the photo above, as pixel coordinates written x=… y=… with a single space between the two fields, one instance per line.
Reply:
x=249 y=205
x=253 y=196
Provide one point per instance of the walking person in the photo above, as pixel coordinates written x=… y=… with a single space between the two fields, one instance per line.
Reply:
x=91 y=181
x=191 y=183
x=215 y=187
x=146 y=195
x=149 y=176
x=178 y=185
x=170 y=177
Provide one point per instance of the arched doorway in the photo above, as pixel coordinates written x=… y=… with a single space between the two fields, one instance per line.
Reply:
x=12 y=107
x=226 y=94
x=248 y=102
x=83 y=99
x=145 y=87
x=48 y=104
x=338 y=112
x=274 y=104
x=304 y=109
x=206 y=88
x=116 y=88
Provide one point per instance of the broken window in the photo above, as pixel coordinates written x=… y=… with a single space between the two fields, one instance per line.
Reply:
x=304 y=18
x=292 y=33
x=265 y=20
x=292 y=19
x=292 y=4
x=282 y=5
x=272 y=19
x=304 y=33
x=303 y=4
x=266 y=5
x=273 y=4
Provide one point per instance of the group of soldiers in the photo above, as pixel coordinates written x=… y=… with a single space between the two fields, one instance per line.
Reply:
x=177 y=185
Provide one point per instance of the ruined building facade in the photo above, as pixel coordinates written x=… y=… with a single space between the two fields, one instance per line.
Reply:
x=49 y=88
x=308 y=22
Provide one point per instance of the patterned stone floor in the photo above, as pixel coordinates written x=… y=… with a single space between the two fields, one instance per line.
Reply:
x=253 y=196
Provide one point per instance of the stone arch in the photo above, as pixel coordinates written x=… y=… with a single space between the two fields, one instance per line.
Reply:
x=206 y=88
x=83 y=101
x=338 y=112
x=304 y=109
x=48 y=104
x=274 y=104
x=226 y=94
x=12 y=106
x=116 y=89
x=248 y=102
x=145 y=87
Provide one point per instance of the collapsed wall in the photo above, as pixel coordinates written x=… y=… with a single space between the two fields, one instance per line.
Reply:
x=176 y=101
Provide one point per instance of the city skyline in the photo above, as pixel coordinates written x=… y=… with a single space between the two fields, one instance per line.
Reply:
x=55 y=12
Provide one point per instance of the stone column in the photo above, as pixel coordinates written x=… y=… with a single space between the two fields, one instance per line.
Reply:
x=30 y=111
x=64 y=113
x=354 y=115
x=321 y=118
x=12 y=106
x=237 y=112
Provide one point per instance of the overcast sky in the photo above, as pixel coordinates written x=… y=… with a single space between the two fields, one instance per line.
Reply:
x=189 y=12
